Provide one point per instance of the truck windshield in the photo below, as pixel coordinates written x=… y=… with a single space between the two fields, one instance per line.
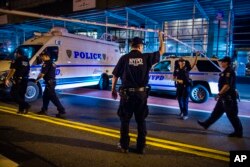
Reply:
x=30 y=50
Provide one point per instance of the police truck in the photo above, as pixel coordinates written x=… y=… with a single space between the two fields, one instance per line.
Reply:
x=81 y=60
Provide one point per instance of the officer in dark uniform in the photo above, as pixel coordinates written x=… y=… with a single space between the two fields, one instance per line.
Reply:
x=226 y=100
x=49 y=94
x=183 y=83
x=133 y=69
x=19 y=70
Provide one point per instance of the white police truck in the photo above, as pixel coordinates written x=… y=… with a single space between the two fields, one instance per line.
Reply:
x=204 y=75
x=81 y=60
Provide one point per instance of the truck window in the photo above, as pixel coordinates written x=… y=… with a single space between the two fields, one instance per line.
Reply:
x=163 y=66
x=207 y=66
x=30 y=50
x=53 y=51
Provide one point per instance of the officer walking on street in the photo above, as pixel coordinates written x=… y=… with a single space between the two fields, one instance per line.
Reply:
x=183 y=84
x=48 y=74
x=226 y=100
x=19 y=70
x=133 y=69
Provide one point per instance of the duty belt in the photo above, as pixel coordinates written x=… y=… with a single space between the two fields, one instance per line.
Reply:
x=21 y=77
x=140 y=89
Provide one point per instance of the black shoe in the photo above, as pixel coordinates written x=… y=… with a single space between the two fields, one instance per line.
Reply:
x=42 y=112
x=27 y=109
x=236 y=134
x=140 y=150
x=61 y=115
x=181 y=114
x=20 y=112
x=120 y=149
x=203 y=124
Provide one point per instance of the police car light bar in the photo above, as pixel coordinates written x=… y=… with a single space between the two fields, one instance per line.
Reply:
x=21 y=13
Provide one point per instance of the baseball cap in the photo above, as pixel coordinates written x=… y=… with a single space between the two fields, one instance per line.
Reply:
x=137 y=40
x=225 y=59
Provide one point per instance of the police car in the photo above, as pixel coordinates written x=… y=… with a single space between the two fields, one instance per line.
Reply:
x=204 y=75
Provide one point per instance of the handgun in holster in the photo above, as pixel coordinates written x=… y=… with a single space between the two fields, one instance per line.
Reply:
x=123 y=94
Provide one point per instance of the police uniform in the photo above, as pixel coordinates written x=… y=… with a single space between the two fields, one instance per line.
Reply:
x=20 y=78
x=133 y=69
x=227 y=102
x=183 y=89
x=49 y=94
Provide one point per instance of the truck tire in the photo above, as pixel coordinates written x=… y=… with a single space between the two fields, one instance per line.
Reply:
x=199 y=94
x=104 y=82
x=32 y=92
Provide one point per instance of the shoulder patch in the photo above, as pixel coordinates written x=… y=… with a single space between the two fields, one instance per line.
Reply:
x=228 y=74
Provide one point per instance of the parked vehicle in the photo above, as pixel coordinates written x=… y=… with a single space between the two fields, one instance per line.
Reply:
x=81 y=61
x=205 y=77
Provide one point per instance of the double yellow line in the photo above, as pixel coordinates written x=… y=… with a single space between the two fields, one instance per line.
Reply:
x=161 y=143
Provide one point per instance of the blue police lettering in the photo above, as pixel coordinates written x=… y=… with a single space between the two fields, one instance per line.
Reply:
x=156 y=77
x=87 y=55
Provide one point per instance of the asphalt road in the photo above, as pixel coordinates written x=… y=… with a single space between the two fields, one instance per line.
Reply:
x=89 y=134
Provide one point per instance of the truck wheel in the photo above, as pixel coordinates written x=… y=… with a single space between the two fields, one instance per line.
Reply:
x=104 y=82
x=32 y=92
x=199 y=94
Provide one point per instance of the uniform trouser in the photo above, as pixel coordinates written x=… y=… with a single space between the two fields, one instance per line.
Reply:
x=135 y=104
x=183 y=97
x=230 y=106
x=18 y=91
x=49 y=94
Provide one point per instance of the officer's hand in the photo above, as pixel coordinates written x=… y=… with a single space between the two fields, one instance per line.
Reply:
x=160 y=35
x=114 y=94
x=180 y=81
x=7 y=83
x=216 y=97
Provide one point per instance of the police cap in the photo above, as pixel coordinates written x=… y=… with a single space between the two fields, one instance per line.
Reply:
x=137 y=41
x=226 y=59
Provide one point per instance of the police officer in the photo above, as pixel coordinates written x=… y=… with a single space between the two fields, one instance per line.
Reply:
x=226 y=100
x=183 y=83
x=133 y=69
x=49 y=94
x=19 y=70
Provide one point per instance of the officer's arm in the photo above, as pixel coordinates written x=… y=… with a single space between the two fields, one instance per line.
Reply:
x=224 y=89
x=114 y=81
x=195 y=60
x=11 y=73
x=41 y=75
x=161 y=46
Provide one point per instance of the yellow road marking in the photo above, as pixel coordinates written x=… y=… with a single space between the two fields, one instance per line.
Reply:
x=161 y=143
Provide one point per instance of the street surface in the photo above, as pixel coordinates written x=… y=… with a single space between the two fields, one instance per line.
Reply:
x=89 y=134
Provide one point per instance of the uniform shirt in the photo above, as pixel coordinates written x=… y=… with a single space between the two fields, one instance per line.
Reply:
x=133 y=68
x=49 y=70
x=228 y=77
x=22 y=67
x=183 y=74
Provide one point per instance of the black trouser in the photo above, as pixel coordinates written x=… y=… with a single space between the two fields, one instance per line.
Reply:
x=135 y=104
x=229 y=105
x=49 y=94
x=18 y=91
x=182 y=93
